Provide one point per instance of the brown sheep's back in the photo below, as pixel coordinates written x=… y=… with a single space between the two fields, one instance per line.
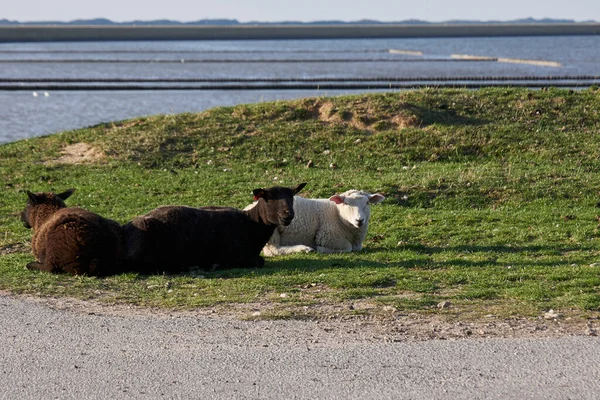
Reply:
x=78 y=241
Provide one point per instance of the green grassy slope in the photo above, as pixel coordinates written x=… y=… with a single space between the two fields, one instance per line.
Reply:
x=492 y=198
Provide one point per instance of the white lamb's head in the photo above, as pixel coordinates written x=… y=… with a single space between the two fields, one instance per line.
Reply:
x=353 y=206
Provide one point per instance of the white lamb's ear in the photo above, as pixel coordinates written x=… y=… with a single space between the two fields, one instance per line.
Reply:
x=376 y=198
x=337 y=199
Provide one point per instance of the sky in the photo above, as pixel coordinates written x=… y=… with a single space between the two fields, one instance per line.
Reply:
x=302 y=10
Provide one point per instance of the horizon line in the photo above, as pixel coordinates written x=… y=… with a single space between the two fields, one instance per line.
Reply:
x=233 y=21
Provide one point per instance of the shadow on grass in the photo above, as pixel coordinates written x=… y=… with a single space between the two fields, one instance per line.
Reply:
x=532 y=249
x=443 y=114
x=383 y=258
x=421 y=261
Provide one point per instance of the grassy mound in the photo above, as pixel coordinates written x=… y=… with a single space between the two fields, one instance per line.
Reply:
x=492 y=199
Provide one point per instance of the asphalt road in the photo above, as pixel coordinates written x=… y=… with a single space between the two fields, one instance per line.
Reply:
x=49 y=353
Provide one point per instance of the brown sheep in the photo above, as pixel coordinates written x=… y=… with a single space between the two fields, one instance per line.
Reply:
x=174 y=238
x=71 y=240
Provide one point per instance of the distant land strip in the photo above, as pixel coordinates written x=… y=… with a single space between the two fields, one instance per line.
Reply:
x=49 y=33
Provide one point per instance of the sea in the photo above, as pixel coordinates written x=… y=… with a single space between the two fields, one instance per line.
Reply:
x=47 y=88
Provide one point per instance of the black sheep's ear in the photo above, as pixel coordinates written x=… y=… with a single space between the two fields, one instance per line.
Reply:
x=258 y=193
x=32 y=197
x=299 y=187
x=66 y=194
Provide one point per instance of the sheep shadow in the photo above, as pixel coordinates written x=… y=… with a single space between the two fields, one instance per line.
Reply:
x=384 y=258
x=272 y=266
x=421 y=258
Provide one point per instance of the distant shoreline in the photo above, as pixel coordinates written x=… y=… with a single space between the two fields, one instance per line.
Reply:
x=57 y=33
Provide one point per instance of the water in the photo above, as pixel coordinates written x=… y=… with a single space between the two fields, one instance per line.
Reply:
x=54 y=70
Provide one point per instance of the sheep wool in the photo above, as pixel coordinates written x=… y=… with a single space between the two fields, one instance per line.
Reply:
x=175 y=238
x=335 y=225
x=70 y=239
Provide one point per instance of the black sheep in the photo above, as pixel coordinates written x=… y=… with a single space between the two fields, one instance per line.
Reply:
x=69 y=239
x=174 y=238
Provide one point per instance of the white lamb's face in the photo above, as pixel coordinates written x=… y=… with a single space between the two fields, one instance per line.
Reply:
x=355 y=210
x=353 y=206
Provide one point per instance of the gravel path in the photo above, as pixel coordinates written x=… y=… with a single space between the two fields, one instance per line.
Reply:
x=65 y=351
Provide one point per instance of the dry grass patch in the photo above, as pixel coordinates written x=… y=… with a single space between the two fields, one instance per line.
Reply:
x=363 y=117
x=79 y=153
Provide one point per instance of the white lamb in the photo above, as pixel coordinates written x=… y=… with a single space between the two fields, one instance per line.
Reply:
x=335 y=225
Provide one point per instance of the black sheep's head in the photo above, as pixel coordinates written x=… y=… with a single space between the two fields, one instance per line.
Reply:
x=277 y=203
x=35 y=200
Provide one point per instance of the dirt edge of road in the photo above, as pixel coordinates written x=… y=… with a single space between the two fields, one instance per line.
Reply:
x=389 y=325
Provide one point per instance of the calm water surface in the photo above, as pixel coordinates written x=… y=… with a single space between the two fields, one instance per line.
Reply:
x=29 y=109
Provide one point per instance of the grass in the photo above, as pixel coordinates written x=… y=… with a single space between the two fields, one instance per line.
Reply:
x=492 y=200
